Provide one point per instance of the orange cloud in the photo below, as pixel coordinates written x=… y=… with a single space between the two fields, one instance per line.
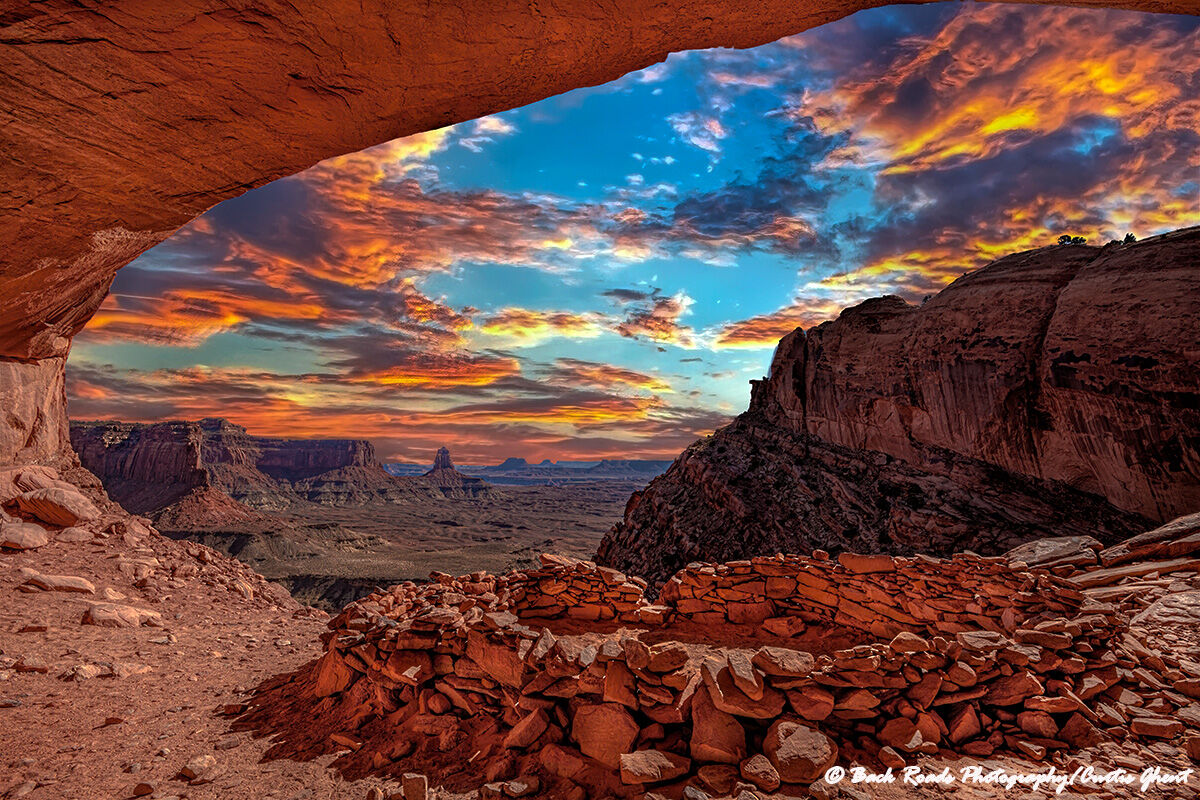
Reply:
x=765 y=330
x=658 y=321
x=420 y=308
x=437 y=371
x=532 y=326
x=587 y=373
x=995 y=71
x=188 y=317
x=1008 y=127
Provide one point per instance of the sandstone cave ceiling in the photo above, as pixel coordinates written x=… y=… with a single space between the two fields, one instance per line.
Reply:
x=247 y=146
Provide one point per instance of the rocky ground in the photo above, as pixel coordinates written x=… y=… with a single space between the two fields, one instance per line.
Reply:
x=135 y=665
x=120 y=651
x=752 y=678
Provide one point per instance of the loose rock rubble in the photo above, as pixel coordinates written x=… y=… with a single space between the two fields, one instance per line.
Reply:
x=754 y=675
x=1158 y=570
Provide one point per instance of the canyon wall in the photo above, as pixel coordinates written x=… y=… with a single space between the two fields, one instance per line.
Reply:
x=1053 y=392
x=123 y=122
x=149 y=467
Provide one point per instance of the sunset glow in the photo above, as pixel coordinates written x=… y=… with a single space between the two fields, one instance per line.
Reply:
x=600 y=273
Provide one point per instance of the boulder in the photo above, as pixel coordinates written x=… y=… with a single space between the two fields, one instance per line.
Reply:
x=604 y=731
x=62 y=583
x=799 y=754
x=413 y=667
x=1012 y=689
x=500 y=662
x=565 y=762
x=652 y=766
x=901 y=733
x=22 y=536
x=759 y=770
x=812 y=702
x=527 y=730
x=726 y=696
x=717 y=737
x=200 y=769
x=1038 y=724
x=1079 y=551
x=906 y=642
x=331 y=674
x=963 y=724
x=784 y=663
x=745 y=676
x=667 y=657
x=58 y=506
x=15 y=481
x=1156 y=728
x=1079 y=733
x=115 y=615
x=719 y=778
x=74 y=535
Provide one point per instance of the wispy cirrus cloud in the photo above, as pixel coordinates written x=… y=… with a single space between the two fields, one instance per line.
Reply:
x=765 y=330
x=571 y=371
x=527 y=326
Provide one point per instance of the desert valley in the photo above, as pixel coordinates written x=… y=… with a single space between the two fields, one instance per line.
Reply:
x=329 y=521
x=388 y=478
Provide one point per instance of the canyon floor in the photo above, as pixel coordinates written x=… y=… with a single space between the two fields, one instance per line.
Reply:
x=329 y=555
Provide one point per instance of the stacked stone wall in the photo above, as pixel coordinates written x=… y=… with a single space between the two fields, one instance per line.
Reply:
x=967 y=655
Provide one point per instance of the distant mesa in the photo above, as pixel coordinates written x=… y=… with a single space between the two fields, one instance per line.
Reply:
x=548 y=472
x=513 y=463
x=631 y=467
x=449 y=481
x=196 y=475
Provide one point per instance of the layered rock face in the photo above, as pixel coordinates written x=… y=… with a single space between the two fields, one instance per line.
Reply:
x=1052 y=392
x=217 y=466
x=34 y=425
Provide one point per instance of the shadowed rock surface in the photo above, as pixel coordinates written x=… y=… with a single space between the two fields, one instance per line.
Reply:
x=1053 y=392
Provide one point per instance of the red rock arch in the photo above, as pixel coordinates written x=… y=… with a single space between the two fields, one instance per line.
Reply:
x=121 y=122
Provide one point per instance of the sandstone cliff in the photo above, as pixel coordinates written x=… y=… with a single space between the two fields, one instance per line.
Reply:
x=218 y=467
x=1053 y=392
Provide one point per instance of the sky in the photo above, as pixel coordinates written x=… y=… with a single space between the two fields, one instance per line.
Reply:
x=599 y=274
